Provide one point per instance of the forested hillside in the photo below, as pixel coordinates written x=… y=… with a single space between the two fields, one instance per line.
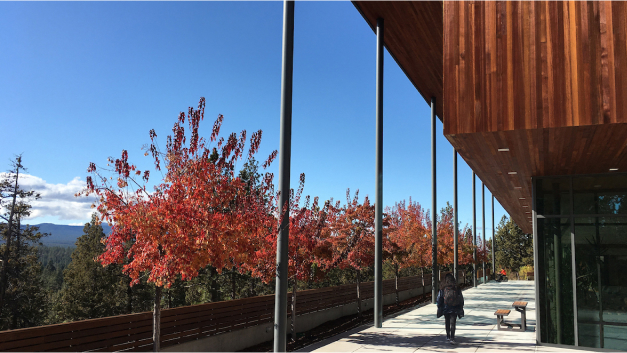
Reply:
x=63 y=235
x=54 y=259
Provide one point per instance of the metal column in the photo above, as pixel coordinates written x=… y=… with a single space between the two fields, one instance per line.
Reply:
x=474 y=232
x=483 y=227
x=434 y=222
x=378 y=243
x=493 y=243
x=536 y=260
x=456 y=226
x=285 y=146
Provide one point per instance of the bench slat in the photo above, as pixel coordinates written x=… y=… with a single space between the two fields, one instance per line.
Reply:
x=503 y=312
x=520 y=304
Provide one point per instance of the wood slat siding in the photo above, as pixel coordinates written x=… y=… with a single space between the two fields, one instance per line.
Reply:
x=548 y=80
x=178 y=325
x=414 y=38
x=529 y=65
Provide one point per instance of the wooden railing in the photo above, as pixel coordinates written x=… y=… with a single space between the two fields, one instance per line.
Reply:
x=134 y=332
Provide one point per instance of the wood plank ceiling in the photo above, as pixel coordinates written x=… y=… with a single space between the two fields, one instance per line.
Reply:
x=548 y=80
x=413 y=37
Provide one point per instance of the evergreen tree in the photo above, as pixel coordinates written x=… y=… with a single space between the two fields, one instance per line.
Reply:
x=22 y=295
x=91 y=290
x=25 y=300
x=514 y=248
x=54 y=259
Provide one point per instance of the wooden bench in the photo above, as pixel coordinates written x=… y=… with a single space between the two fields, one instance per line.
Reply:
x=501 y=325
x=530 y=275
x=521 y=307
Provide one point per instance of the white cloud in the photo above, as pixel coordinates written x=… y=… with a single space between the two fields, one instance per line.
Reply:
x=57 y=200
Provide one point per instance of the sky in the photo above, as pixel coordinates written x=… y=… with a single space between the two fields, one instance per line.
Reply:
x=82 y=81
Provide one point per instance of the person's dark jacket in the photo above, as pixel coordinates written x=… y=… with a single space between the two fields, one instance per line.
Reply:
x=445 y=309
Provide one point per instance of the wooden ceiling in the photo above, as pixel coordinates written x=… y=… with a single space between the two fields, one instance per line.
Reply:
x=548 y=80
x=592 y=149
x=413 y=37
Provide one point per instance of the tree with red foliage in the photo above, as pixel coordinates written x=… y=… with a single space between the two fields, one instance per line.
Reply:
x=407 y=237
x=308 y=226
x=351 y=237
x=199 y=214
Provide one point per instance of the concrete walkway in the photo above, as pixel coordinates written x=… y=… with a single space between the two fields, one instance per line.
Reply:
x=418 y=329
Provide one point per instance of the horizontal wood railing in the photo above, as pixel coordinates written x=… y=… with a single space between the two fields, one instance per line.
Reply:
x=134 y=332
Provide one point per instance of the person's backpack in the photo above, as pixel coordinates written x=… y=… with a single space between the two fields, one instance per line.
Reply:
x=451 y=297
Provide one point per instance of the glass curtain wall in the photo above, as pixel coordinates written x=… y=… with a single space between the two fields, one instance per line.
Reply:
x=582 y=260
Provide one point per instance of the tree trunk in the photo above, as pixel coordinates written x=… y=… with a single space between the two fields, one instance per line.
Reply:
x=233 y=284
x=5 y=260
x=359 y=313
x=252 y=291
x=294 y=310
x=129 y=297
x=214 y=285
x=396 y=282
x=156 y=321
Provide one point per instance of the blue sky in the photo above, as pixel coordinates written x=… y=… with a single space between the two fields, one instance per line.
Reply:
x=81 y=81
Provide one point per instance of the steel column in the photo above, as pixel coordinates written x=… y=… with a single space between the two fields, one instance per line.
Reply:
x=536 y=260
x=456 y=227
x=474 y=232
x=434 y=222
x=483 y=227
x=378 y=243
x=285 y=146
x=493 y=243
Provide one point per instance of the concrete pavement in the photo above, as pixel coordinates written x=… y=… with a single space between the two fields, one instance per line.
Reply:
x=418 y=329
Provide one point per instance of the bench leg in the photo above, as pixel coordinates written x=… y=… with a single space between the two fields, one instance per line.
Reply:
x=523 y=318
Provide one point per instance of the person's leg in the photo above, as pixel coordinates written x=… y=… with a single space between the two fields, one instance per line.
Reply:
x=447 y=325
x=453 y=321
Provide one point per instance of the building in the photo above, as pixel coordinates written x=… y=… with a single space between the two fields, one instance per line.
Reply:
x=533 y=96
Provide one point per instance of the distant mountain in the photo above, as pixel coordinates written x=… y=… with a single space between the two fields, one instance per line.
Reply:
x=62 y=235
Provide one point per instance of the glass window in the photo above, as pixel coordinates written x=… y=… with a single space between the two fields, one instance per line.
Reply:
x=553 y=196
x=601 y=257
x=599 y=214
x=600 y=195
x=555 y=281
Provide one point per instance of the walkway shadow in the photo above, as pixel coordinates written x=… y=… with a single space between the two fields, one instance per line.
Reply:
x=434 y=341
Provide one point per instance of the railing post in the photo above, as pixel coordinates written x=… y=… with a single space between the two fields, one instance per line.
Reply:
x=378 y=251
x=434 y=212
x=285 y=146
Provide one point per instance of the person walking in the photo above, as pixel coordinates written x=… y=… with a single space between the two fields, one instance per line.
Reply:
x=450 y=302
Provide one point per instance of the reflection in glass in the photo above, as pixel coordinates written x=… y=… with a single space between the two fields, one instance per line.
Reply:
x=604 y=195
x=601 y=260
x=555 y=281
x=553 y=196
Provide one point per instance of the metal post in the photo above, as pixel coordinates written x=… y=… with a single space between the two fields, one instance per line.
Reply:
x=456 y=228
x=536 y=260
x=285 y=145
x=378 y=244
x=493 y=243
x=434 y=222
x=483 y=227
x=474 y=232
